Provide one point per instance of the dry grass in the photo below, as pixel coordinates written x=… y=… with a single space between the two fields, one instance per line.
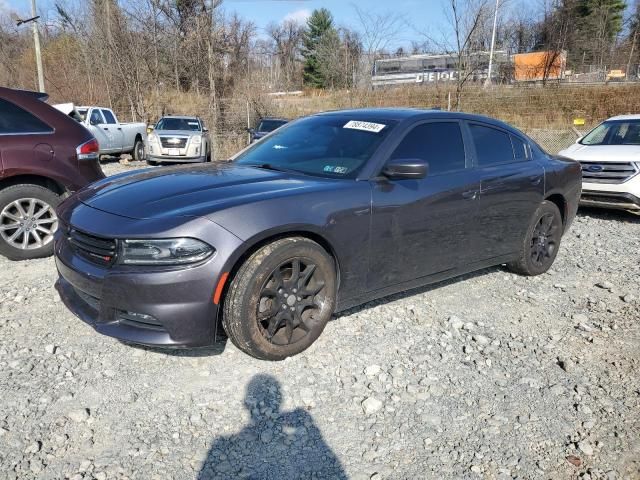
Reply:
x=524 y=107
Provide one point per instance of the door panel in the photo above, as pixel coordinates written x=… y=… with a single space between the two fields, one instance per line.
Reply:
x=511 y=189
x=422 y=227
x=113 y=131
x=509 y=195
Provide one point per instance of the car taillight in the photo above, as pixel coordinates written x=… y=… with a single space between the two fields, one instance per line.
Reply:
x=88 y=150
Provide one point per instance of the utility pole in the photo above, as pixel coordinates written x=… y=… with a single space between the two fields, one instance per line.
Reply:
x=493 y=44
x=36 y=41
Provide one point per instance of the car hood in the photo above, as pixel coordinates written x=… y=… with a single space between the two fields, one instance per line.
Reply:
x=603 y=153
x=192 y=191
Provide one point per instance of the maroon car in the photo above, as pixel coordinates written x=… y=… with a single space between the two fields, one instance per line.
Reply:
x=44 y=156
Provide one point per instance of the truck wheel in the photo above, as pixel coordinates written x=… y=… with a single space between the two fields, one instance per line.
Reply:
x=28 y=221
x=281 y=299
x=138 y=150
x=541 y=243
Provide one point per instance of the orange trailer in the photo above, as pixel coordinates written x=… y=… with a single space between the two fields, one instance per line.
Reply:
x=531 y=67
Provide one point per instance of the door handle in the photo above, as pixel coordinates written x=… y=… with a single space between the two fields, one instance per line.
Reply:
x=470 y=194
x=535 y=180
x=119 y=128
x=105 y=128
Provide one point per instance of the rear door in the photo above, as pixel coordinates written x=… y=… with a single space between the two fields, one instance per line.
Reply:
x=113 y=130
x=25 y=140
x=511 y=188
x=422 y=227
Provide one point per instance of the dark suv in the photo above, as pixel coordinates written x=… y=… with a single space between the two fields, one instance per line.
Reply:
x=44 y=156
x=266 y=126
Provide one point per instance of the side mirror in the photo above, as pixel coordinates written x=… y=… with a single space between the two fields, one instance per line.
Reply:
x=406 y=168
x=92 y=121
x=251 y=130
x=205 y=130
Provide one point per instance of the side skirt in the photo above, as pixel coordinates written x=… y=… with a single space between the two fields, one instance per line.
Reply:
x=344 y=304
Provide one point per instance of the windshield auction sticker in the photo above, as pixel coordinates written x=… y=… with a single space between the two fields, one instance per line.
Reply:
x=365 y=126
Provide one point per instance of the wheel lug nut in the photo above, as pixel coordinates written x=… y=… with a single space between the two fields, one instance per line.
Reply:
x=295 y=291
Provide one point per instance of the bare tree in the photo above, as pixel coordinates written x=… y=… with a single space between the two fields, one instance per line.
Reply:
x=378 y=31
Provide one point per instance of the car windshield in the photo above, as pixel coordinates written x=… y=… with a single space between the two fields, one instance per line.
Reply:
x=270 y=125
x=178 y=124
x=328 y=146
x=614 y=132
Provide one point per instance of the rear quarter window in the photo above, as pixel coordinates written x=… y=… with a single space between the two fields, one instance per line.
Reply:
x=15 y=120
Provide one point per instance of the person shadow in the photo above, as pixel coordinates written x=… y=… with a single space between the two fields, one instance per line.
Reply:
x=274 y=445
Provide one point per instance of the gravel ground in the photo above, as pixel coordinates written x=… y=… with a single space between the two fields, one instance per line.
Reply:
x=488 y=376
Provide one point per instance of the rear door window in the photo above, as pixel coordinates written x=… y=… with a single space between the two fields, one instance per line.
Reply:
x=493 y=146
x=16 y=120
x=439 y=143
x=108 y=116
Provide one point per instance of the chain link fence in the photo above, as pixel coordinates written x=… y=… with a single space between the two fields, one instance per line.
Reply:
x=554 y=140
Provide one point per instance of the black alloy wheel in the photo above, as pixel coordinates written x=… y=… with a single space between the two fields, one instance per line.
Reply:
x=289 y=300
x=280 y=299
x=541 y=243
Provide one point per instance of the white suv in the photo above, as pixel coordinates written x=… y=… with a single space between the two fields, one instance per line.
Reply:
x=610 y=159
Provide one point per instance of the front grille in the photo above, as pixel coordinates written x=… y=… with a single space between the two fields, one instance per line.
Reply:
x=97 y=249
x=173 y=142
x=610 y=172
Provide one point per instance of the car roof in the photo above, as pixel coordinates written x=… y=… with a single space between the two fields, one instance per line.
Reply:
x=183 y=117
x=625 y=117
x=400 y=114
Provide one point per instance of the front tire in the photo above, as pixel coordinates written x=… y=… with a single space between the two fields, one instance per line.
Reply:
x=27 y=221
x=138 y=150
x=541 y=243
x=281 y=299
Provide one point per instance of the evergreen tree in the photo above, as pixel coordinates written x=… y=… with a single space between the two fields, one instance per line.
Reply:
x=318 y=25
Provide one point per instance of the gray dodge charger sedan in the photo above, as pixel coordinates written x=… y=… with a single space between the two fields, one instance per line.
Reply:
x=329 y=212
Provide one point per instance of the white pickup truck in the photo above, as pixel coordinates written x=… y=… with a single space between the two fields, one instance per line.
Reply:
x=113 y=137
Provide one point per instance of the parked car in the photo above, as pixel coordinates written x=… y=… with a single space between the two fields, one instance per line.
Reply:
x=329 y=212
x=610 y=159
x=266 y=126
x=44 y=155
x=114 y=137
x=179 y=140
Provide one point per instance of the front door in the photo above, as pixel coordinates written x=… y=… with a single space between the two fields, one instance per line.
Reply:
x=421 y=227
x=511 y=189
x=100 y=130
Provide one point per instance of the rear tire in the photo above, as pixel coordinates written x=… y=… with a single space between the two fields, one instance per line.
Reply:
x=27 y=221
x=541 y=243
x=281 y=299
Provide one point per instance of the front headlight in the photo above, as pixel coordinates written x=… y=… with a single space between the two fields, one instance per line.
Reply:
x=171 y=251
x=152 y=138
x=196 y=140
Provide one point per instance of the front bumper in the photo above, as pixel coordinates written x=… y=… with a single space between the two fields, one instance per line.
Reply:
x=176 y=159
x=154 y=306
x=618 y=196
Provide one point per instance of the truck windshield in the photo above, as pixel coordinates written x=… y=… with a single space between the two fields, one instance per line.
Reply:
x=327 y=146
x=178 y=124
x=614 y=132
